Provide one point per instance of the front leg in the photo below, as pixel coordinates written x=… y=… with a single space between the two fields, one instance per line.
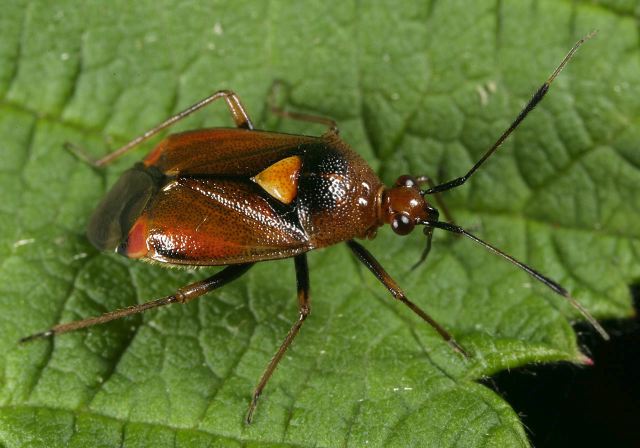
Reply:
x=376 y=268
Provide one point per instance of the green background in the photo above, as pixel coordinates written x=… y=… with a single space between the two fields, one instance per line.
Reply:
x=417 y=87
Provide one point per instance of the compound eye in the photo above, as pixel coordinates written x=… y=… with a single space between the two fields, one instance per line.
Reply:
x=406 y=181
x=402 y=224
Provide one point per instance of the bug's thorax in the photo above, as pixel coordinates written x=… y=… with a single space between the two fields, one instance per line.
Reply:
x=403 y=206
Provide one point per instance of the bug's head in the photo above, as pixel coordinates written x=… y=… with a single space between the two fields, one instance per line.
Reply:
x=404 y=206
x=113 y=218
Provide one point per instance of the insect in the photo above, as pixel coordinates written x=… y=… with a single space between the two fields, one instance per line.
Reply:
x=236 y=196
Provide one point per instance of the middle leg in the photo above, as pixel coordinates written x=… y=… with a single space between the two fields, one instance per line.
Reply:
x=302 y=278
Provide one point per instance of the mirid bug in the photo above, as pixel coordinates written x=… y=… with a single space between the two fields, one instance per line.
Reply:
x=237 y=196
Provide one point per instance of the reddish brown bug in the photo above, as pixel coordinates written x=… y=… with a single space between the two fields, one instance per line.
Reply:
x=238 y=196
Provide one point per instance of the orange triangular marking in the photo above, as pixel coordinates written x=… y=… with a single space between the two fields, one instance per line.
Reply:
x=280 y=180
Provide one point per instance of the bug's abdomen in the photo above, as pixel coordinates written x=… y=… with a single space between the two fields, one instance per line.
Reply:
x=214 y=222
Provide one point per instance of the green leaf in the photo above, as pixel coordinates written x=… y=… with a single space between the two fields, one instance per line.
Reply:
x=417 y=87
